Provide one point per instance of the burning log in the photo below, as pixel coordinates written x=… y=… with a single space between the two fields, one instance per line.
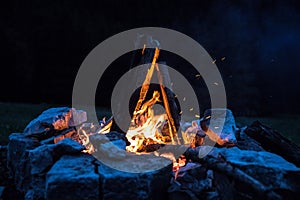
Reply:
x=172 y=128
x=144 y=126
x=55 y=136
x=146 y=84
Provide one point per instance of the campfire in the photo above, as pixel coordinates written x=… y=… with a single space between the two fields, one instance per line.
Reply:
x=146 y=127
x=54 y=154
x=148 y=131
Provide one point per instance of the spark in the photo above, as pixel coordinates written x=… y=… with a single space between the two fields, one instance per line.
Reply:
x=197 y=116
x=143 y=51
x=223 y=58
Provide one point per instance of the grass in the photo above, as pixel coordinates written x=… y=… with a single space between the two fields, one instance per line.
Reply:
x=15 y=116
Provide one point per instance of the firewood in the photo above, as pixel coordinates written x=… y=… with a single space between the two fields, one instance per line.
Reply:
x=274 y=142
x=237 y=174
x=220 y=165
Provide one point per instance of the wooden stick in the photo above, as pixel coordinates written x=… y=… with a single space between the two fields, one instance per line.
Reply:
x=167 y=106
x=146 y=83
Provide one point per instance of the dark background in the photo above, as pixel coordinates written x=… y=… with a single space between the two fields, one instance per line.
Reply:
x=43 y=44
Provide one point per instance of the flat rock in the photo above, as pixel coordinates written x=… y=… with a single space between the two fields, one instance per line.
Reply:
x=222 y=115
x=151 y=184
x=29 y=161
x=43 y=157
x=73 y=177
x=78 y=117
x=68 y=146
x=268 y=168
x=46 y=120
x=17 y=159
x=116 y=139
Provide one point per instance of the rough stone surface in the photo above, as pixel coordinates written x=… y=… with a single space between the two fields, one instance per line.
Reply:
x=28 y=162
x=117 y=184
x=78 y=117
x=245 y=142
x=274 y=142
x=17 y=159
x=117 y=139
x=44 y=171
x=229 y=127
x=193 y=181
x=104 y=148
x=68 y=146
x=43 y=157
x=268 y=168
x=227 y=132
x=113 y=136
x=48 y=117
x=73 y=177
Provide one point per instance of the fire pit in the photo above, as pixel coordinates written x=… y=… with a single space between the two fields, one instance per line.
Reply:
x=61 y=156
x=43 y=168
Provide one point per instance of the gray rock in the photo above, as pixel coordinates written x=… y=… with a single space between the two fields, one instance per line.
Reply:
x=17 y=159
x=194 y=180
x=73 y=177
x=78 y=117
x=43 y=157
x=229 y=127
x=28 y=162
x=245 y=142
x=113 y=137
x=68 y=146
x=116 y=184
x=44 y=121
x=106 y=149
x=268 y=168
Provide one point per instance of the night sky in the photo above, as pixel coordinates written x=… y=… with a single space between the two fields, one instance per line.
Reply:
x=43 y=44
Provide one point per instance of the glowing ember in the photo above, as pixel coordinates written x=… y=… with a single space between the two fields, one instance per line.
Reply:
x=149 y=127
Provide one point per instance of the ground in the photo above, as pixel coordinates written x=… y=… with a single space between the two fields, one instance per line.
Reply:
x=15 y=116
